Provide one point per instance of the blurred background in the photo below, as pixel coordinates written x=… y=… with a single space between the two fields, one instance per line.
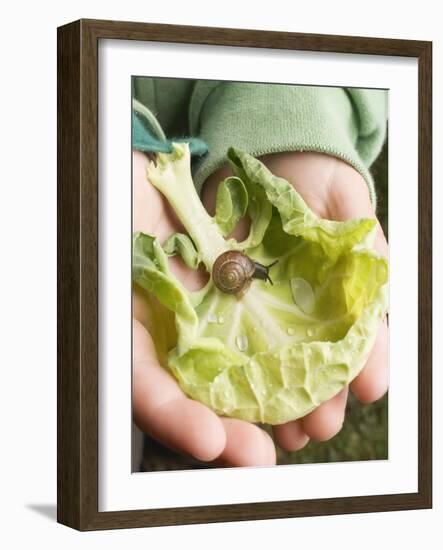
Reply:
x=364 y=435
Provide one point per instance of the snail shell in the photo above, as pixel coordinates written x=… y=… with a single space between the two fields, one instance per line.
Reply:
x=232 y=272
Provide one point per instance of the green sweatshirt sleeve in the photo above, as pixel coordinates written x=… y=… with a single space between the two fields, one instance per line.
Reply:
x=349 y=124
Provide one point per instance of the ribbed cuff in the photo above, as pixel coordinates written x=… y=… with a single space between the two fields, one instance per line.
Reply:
x=262 y=119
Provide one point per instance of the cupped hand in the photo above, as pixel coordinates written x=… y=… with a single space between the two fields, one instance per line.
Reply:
x=334 y=190
x=160 y=407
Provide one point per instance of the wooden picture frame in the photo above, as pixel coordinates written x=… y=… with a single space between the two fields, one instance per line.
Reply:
x=77 y=458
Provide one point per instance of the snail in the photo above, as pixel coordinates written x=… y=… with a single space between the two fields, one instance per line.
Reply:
x=233 y=272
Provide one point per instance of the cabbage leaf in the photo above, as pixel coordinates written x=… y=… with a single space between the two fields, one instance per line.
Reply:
x=280 y=350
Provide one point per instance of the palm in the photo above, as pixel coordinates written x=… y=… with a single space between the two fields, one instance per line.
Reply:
x=334 y=190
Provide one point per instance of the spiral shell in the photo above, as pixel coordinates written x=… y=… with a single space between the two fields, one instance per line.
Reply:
x=232 y=272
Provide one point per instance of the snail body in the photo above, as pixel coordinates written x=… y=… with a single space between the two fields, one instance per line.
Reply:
x=233 y=272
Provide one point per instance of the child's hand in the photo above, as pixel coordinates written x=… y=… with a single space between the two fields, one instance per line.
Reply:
x=334 y=190
x=161 y=409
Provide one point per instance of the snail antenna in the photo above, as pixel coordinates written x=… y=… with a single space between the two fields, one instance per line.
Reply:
x=268 y=267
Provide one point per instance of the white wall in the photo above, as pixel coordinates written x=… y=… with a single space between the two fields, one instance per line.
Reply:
x=28 y=276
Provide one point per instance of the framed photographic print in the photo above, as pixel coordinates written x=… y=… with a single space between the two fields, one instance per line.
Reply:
x=230 y=315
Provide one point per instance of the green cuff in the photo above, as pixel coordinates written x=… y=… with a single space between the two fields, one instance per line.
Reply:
x=148 y=136
x=262 y=119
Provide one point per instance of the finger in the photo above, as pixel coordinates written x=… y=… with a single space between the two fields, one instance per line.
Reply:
x=290 y=436
x=246 y=445
x=372 y=382
x=163 y=411
x=151 y=211
x=327 y=419
x=152 y=214
x=147 y=204
x=380 y=243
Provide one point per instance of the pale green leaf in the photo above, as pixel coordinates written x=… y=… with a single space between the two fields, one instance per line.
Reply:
x=182 y=245
x=231 y=203
x=280 y=350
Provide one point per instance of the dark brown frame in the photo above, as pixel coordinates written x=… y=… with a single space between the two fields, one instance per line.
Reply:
x=77 y=429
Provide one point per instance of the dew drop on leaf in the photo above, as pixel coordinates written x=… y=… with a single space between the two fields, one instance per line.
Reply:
x=242 y=342
x=221 y=319
x=310 y=332
x=212 y=318
x=290 y=331
x=302 y=294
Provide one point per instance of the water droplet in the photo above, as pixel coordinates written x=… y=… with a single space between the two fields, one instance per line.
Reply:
x=290 y=331
x=242 y=342
x=303 y=294
x=221 y=319
x=212 y=318
x=310 y=332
